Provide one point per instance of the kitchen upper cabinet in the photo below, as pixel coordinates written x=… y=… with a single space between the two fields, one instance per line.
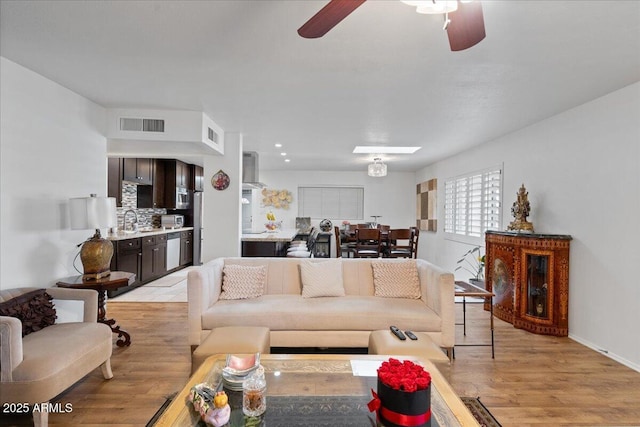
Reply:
x=197 y=174
x=177 y=181
x=139 y=171
x=179 y=173
x=152 y=196
x=114 y=179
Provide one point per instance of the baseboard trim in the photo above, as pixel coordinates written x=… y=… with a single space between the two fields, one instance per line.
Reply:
x=605 y=352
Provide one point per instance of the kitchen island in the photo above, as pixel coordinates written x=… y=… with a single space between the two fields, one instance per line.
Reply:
x=267 y=244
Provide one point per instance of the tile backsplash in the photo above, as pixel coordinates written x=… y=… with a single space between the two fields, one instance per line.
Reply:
x=146 y=217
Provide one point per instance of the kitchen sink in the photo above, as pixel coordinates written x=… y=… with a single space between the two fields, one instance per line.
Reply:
x=149 y=230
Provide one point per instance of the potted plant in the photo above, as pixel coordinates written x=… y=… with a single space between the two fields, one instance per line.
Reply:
x=473 y=262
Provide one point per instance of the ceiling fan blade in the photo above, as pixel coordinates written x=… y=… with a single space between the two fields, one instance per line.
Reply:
x=328 y=17
x=467 y=26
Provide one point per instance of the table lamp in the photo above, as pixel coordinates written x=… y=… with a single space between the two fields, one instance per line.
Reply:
x=94 y=213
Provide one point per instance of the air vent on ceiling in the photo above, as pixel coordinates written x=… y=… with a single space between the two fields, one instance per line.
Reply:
x=142 y=125
x=212 y=135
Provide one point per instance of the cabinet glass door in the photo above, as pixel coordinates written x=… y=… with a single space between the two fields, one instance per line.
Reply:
x=537 y=304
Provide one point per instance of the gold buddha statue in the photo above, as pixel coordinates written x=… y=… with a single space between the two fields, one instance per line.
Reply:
x=520 y=211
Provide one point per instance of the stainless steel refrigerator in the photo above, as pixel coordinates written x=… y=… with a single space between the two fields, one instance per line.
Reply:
x=198 y=211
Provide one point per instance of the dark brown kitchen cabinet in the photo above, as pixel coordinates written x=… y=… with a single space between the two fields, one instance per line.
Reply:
x=186 y=247
x=152 y=196
x=154 y=256
x=178 y=173
x=127 y=256
x=197 y=176
x=114 y=179
x=139 y=171
x=177 y=180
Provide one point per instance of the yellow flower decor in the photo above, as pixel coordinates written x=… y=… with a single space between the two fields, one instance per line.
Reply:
x=279 y=199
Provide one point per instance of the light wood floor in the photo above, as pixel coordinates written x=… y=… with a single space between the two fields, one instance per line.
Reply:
x=534 y=380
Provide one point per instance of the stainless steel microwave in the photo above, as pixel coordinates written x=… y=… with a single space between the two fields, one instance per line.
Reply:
x=172 y=221
x=182 y=198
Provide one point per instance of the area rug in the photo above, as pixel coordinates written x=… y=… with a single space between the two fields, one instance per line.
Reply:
x=480 y=412
x=324 y=411
x=166 y=281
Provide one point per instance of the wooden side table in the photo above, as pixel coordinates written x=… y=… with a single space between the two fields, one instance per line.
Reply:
x=464 y=290
x=116 y=280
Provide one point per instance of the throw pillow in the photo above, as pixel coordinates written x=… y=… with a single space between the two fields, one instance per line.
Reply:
x=34 y=309
x=321 y=279
x=243 y=281
x=396 y=279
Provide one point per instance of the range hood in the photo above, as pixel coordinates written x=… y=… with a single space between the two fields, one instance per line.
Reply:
x=250 y=171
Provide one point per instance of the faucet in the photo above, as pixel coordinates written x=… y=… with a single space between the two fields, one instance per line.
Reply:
x=135 y=221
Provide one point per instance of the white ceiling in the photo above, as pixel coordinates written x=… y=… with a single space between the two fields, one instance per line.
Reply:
x=384 y=75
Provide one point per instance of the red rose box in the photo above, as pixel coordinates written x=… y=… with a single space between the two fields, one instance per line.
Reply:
x=404 y=409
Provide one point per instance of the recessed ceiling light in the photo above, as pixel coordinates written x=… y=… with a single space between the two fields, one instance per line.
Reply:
x=378 y=149
x=287 y=160
x=283 y=154
x=278 y=145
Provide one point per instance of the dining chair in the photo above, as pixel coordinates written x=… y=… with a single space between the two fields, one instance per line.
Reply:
x=400 y=243
x=350 y=231
x=416 y=235
x=384 y=237
x=342 y=247
x=368 y=244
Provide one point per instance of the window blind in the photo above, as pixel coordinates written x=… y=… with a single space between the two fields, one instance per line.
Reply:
x=331 y=202
x=473 y=203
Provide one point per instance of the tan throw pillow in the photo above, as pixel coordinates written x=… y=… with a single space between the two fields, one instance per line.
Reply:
x=396 y=279
x=243 y=281
x=321 y=279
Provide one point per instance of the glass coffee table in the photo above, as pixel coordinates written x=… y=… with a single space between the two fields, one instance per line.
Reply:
x=307 y=390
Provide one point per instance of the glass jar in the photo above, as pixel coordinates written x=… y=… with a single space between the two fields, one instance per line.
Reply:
x=254 y=395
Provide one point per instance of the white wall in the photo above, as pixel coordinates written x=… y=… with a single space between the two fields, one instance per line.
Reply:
x=582 y=171
x=393 y=197
x=222 y=218
x=52 y=148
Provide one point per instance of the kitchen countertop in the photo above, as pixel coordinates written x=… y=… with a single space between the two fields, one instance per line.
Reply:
x=121 y=235
x=285 y=235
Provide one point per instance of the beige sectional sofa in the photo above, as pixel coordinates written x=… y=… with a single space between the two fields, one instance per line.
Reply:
x=333 y=321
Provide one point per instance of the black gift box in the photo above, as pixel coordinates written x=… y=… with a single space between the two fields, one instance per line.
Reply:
x=417 y=403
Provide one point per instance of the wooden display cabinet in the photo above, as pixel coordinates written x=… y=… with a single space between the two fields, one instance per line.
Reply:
x=529 y=274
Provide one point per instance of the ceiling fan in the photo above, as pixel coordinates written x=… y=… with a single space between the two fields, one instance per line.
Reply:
x=464 y=25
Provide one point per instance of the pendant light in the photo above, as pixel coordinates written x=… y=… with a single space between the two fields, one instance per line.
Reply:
x=377 y=168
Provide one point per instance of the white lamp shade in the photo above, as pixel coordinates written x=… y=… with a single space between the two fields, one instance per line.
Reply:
x=92 y=213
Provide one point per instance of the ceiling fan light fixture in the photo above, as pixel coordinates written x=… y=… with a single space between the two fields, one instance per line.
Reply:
x=432 y=7
x=377 y=168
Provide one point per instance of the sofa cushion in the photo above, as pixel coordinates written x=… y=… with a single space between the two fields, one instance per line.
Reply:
x=321 y=279
x=56 y=357
x=34 y=309
x=243 y=281
x=348 y=313
x=396 y=279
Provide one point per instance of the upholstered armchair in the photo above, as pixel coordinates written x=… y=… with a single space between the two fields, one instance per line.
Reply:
x=42 y=364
